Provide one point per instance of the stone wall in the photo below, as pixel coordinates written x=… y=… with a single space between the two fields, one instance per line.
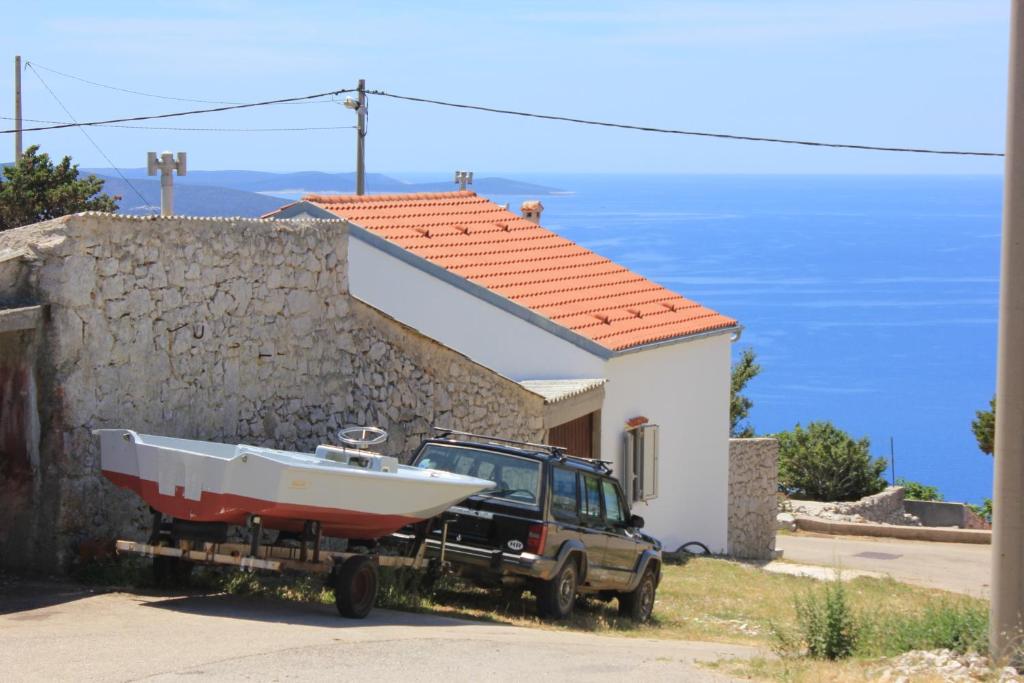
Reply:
x=228 y=330
x=881 y=508
x=753 y=483
x=943 y=514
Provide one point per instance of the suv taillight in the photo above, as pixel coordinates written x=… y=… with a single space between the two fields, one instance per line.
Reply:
x=536 y=538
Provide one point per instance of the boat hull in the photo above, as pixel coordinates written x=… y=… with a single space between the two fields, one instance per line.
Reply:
x=208 y=482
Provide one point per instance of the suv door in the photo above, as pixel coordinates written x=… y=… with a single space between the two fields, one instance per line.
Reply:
x=623 y=547
x=595 y=535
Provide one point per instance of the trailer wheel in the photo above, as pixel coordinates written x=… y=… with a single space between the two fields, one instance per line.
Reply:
x=171 y=572
x=355 y=587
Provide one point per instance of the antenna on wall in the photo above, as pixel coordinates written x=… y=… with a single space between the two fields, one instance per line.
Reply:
x=463 y=178
x=166 y=165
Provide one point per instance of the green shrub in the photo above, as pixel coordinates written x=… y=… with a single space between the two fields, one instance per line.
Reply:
x=823 y=462
x=826 y=627
x=984 y=510
x=915 y=490
x=958 y=625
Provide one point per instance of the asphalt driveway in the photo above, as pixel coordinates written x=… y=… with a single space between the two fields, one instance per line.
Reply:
x=51 y=631
x=959 y=567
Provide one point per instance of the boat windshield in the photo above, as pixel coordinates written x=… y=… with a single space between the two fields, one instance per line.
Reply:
x=516 y=479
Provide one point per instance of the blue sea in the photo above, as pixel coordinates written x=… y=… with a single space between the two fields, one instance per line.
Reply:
x=871 y=301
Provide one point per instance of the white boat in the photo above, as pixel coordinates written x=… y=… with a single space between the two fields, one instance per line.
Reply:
x=351 y=492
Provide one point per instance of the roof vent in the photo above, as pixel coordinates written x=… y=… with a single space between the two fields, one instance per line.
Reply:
x=532 y=210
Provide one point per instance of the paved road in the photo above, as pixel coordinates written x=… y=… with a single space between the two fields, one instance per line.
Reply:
x=960 y=567
x=63 y=632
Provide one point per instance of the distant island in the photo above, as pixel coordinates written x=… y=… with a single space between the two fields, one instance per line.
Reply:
x=252 y=193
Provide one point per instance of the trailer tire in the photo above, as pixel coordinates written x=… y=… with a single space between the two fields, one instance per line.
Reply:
x=355 y=587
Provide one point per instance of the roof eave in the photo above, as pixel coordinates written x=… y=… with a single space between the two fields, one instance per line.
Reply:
x=301 y=206
x=696 y=336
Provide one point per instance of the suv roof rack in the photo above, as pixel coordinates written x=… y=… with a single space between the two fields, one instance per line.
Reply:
x=557 y=451
x=553 y=450
x=605 y=465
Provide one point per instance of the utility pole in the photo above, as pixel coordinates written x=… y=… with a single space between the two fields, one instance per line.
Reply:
x=360 y=108
x=1007 y=606
x=17 y=108
x=167 y=166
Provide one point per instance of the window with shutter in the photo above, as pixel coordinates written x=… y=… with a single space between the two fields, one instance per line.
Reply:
x=641 y=462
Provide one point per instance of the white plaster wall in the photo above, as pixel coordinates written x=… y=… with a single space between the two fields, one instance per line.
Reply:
x=683 y=388
x=503 y=342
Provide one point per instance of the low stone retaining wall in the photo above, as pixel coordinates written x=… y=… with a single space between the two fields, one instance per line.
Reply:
x=886 y=507
x=935 y=513
x=912 y=533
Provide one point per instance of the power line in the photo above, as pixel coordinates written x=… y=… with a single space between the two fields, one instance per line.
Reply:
x=89 y=137
x=216 y=130
x=651 y=129
x=511 y=112
x=181 y=113
x=135 y=92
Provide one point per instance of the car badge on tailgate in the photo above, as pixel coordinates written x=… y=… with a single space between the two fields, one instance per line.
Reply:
x=515 y=545
x=482 y=514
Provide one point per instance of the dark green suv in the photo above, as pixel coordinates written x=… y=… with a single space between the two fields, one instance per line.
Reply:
x=554 y=524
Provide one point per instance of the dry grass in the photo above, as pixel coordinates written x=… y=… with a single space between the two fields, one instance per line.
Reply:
x=706 y=599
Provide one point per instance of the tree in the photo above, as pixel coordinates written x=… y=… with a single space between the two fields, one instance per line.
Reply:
x=915 y=490
x=34 y=189
x=745 y=369
x=823 y=462
x=984 y=426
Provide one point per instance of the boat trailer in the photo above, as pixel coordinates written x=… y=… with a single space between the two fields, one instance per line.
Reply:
x=177 y=546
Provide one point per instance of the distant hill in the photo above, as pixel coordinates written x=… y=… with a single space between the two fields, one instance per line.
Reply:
x=315 y=181
x=190 y=200
x=252 y=193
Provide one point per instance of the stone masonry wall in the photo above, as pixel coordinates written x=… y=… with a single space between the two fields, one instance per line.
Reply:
x=231 y=330
x=881 y=508
x=753 y=482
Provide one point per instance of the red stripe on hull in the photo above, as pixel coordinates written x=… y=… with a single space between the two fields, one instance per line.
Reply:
x=233 y=509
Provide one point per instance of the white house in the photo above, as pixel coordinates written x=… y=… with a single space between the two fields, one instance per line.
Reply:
x=632 y=373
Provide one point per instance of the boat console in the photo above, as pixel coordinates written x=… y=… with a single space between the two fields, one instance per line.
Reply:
x=364 y=459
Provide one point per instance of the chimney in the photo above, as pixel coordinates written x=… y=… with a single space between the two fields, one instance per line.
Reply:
x=531 y=210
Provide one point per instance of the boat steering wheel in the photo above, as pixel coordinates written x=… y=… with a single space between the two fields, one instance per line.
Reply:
x=362 y=437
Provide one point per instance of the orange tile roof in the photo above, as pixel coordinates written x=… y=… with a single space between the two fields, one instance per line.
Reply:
x=528 y=264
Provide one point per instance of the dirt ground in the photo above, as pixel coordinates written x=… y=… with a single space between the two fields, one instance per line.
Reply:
x=63 y=631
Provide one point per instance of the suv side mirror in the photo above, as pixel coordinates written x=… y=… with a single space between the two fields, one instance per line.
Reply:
x=636 y=521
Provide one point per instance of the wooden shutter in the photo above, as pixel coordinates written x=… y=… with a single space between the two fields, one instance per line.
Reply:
x=649 y=458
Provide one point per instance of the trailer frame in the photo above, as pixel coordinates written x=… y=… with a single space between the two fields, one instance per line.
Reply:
x=352 y=575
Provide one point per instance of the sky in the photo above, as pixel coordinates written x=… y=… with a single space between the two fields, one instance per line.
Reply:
x=921 y=73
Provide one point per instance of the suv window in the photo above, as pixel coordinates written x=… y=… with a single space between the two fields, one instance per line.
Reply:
x=564 y=495
x=612 y=504
x=516 y=479
x=590 y=502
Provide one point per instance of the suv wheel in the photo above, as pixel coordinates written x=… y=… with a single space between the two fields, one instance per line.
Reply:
x=639 y=603
x=557 y=597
